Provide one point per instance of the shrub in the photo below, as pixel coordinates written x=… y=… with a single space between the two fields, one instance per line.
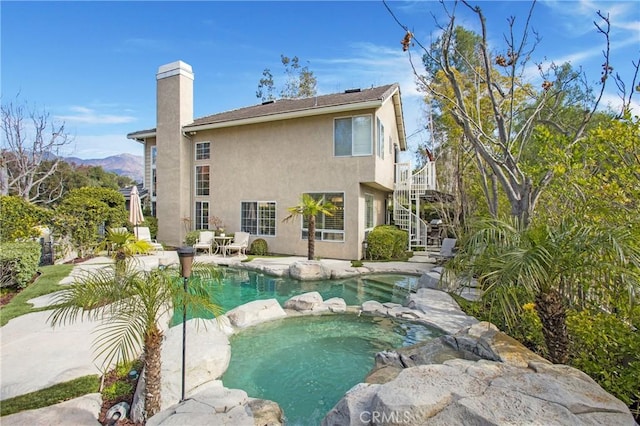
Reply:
x=19 y=218
x=387 y=242
x=607 y=348
x=18 y=263
x=528 y=328
x=152 y=223
x=117 y=390
x=191 y=237
x=259 y=247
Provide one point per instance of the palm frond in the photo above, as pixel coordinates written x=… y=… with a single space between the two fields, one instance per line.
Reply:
x=119 y=339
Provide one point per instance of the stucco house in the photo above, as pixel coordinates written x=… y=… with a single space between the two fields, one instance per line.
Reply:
x=248 y=165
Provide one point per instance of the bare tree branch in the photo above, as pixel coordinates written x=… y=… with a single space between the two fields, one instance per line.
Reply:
x=30 y=154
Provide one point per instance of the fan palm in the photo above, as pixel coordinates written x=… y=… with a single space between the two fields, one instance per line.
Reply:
x=309 y=208
x=569 y=265
x=131 y=306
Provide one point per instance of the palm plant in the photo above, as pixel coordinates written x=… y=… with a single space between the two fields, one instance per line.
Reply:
x=131 y=306
x=124 y=245
x=568 y=265
x=309 y=208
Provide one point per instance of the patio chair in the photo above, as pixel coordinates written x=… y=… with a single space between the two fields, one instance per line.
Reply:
x=447 y=249
x=204 y=241
x=239 y=244
x=144 y=234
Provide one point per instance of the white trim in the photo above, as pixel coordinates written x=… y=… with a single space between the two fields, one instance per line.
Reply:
x=175 y=68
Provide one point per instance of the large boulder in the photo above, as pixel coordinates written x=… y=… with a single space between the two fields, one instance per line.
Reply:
x=478 y=376
x=213 y=404
x=440 y=309
x=255 y=312
x=307 y=302
x=309 y=270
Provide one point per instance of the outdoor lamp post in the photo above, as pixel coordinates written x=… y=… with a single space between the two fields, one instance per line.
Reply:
x=365 y=246
x=186 y=261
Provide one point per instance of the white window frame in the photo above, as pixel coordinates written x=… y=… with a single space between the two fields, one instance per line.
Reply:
x=369 y=211
x=201 y=222
x=353 y=134
x=322 y=234
x=196 y=151
x=380 y=138
x=260 y=224
x=205 y=191
x=153 y=179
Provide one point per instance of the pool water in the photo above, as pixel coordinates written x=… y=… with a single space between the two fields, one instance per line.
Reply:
x=306 y=364
x=240 y=286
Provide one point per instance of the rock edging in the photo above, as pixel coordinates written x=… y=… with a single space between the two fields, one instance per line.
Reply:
x=477 y=376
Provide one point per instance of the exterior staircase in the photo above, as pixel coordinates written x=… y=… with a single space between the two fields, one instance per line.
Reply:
x=409 y=189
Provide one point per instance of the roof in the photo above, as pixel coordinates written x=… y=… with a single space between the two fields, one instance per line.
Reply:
x=280 y=109
x=142 y=192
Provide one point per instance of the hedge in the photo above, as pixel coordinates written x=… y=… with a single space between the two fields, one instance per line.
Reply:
x=387 y=242
x=18 y=263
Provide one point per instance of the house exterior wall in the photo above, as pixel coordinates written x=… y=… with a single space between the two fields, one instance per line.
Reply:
x=273 y=161
x=279 y=161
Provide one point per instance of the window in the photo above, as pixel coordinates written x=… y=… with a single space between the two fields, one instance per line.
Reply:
x=202 y=215
x=154 y=182
x=203 y=150
x=368 y=211
x=202 y=180
x=328 y=228
x=258 y=217
x=154 y=178
x=352 y=136
x=380 y=139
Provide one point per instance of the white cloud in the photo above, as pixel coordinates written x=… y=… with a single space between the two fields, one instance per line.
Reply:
x=86 y=115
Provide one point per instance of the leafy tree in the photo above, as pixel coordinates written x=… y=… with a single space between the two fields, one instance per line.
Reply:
x=83 y=210
x=131 y=311
x=599 y=180
x=310 y=208
x=26 y=148
x=515 y=108
x=300 y=81
x=571 y=264
x=19 y=219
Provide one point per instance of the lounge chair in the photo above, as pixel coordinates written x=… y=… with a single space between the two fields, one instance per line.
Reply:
x=447 y=249
x=144 y=234
x=239 y=244
x=204 y=241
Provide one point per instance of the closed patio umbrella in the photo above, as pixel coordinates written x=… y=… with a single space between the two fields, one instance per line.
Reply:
x=135 y=209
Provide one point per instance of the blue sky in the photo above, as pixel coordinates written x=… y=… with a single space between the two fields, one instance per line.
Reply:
x=93 y=64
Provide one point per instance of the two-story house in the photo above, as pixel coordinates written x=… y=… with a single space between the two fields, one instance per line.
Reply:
x=248 y=165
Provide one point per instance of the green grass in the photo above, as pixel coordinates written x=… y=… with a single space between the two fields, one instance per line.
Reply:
x=51 y=395
x=46 y=283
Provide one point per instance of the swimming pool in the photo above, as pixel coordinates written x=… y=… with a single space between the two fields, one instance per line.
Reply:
x=306 y=364
x=242 y=286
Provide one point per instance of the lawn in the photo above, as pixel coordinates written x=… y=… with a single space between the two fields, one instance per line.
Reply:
x=46 y=283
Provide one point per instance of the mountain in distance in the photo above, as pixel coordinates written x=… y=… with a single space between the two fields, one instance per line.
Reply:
x=129 y=165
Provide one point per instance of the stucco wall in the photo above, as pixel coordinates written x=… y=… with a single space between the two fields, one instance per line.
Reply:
x=279 y=161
